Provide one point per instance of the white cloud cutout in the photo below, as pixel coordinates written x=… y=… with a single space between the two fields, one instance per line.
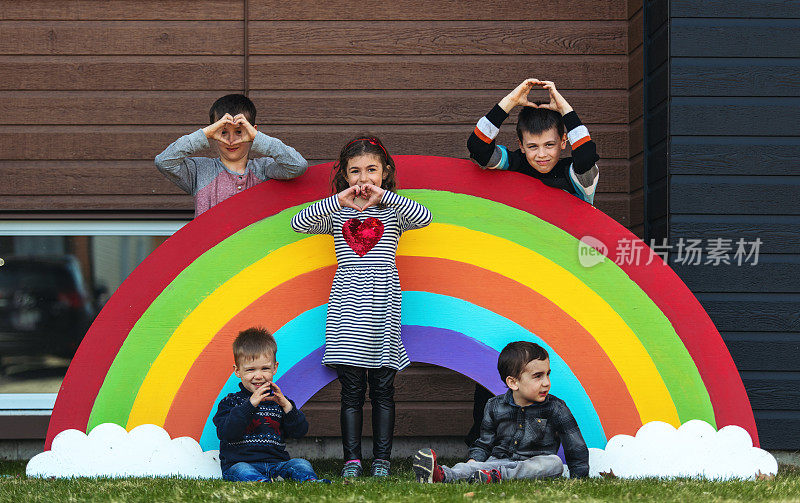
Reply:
x=110 y=451
x=694 y=450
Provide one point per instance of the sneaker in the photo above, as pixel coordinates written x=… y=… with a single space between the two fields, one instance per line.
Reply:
x=485 y=477
x=426 y=469
x=380 y=468
x=352 y=469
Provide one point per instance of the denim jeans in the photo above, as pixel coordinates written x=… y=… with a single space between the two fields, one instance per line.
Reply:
x=294 y=469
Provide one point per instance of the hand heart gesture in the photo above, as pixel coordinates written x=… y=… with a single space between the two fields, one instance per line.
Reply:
x=347 y=198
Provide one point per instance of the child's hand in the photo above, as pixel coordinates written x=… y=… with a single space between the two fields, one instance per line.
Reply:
x=260 y=394
x=347 y=197
x=519 y=96
x=372 y=194
x=248 y=130
x=557 y=102
x=214 y=131
x=277 y=396
x=470 y=460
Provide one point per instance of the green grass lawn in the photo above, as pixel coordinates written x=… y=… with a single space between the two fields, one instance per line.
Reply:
x=14 y=486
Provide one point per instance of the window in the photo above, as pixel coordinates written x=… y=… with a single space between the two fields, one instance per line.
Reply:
x=55 y=277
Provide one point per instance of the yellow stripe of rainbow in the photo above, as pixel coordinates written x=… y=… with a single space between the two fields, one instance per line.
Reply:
x=504 y=257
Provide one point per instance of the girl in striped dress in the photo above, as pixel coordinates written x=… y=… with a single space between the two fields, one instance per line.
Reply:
x=362 y=332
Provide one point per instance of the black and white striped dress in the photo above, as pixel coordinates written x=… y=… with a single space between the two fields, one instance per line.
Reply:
x=363 y=323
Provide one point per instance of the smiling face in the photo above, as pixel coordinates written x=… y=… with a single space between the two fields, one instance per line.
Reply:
x=533 y=383
x=236 y=153
x=256 y=371
x=363 y=169
x=542 y=150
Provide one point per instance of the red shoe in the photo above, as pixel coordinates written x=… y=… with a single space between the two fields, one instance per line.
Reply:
x=425 y=467
x=486 y=476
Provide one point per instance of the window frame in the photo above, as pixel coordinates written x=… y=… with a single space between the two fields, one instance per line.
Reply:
x=36 y=404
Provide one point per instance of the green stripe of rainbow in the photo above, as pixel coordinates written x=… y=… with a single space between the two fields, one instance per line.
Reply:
x=153 y=362
x=634 y=333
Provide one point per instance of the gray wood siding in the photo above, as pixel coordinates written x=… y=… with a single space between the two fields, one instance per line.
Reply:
x=726 y=104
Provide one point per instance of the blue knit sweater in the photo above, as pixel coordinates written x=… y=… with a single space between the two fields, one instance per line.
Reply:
x=255 y=434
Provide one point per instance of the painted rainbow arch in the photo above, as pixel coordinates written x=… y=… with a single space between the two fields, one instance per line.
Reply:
x=629 y=343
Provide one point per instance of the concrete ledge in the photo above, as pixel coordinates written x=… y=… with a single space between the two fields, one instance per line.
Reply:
x=309 y=448
x=402 y=447
x=20 y=450
x=331 y=448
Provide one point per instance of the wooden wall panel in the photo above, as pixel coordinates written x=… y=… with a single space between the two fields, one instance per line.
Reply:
x=777 y=232
x=751 y=116
x=363 y=107
x=456 y=10
x=734 y=38
x=735 y=8
x=732 y=144
x=636 y=115
x=758 y=350
x=121 y=73
x=110 y=10
x=92 y=91
x=744 y=195
x=188 y=108
x=121 y=37
x=773 y=273
x=434 y=72
x=735 y=77
x=728 y=155
x=423 y=74
x=752 y=312
x=144 y=142
x=513 y=37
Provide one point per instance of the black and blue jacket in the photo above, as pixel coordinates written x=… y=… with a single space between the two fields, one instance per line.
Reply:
x=577 y=175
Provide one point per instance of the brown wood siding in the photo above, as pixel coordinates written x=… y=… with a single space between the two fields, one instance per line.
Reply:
x=92 y=91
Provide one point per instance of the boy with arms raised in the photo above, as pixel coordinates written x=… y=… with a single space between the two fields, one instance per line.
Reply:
x=252 y=422
x=234 y=135
x=543 y=131
x=521 y=429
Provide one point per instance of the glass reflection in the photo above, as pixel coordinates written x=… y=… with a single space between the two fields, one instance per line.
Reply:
x=51 y=289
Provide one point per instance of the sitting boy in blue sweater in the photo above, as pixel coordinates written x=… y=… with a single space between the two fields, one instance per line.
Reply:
x=521 y=429
x=252 y=422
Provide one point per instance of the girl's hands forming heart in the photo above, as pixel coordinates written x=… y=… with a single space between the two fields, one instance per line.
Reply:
x=347 y=197
x=371 y=194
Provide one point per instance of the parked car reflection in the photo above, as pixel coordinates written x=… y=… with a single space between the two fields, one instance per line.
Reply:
x=44 y=306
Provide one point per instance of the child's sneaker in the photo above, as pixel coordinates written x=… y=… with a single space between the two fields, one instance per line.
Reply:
x=352 y=469
x=380 y=468
x=485 y=476
x=425 y=467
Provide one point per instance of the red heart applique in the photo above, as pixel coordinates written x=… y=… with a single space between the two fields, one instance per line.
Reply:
x=362 y=236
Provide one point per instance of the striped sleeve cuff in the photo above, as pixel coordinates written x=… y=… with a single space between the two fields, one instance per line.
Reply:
x=331 y=204
x=577 y=134
x=489 y=126
x=390 y=197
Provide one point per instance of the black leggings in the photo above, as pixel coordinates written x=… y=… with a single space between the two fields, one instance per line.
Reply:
x=481 y=396
x=381 y=394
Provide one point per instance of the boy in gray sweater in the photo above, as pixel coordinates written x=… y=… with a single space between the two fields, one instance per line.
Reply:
x=234 y=136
